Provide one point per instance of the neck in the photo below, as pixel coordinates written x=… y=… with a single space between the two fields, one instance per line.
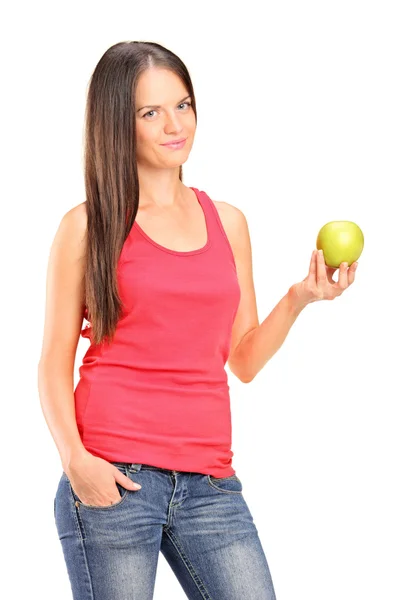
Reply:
x=160 y=189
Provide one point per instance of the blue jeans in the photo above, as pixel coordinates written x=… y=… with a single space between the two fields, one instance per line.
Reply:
x=200 y=523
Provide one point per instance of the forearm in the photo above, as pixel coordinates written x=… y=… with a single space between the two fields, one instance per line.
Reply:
x=55 y=385
x=260 y=344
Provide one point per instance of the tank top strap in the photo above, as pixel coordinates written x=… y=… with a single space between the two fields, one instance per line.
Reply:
x=215 y=227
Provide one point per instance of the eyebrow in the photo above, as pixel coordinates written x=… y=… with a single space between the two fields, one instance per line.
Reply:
x=155 y=106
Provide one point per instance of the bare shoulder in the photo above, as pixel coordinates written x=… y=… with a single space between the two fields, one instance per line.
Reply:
x=226 y=208
x=233 y=221
x=76 y=217
x=80 y=211
x=73 y=225
x=69 y=243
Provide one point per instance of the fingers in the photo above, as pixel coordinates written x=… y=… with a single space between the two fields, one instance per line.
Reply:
x=342 y=279
x=320 y=277
x=321 y=269
x=346 y=275
x=312 y=268
x=351 y=274
x=125 y=481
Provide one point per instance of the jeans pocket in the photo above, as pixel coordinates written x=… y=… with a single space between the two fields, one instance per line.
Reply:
x=123 y=492
x=228 y=485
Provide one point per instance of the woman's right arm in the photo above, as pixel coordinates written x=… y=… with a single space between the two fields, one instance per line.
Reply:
x=92 y=478
x=63 y=322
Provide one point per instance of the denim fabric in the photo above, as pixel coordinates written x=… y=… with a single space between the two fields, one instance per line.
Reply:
x=200 y=523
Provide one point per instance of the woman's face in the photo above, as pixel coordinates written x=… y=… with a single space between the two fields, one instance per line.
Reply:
x=163 y=114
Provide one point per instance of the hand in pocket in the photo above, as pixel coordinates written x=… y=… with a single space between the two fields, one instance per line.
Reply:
x=94 y=480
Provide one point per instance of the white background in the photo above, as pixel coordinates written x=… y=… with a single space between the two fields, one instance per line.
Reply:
x=298 y=124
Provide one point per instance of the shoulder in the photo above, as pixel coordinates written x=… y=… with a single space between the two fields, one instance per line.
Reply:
x=75 y=220
x=230 y=212
x=77 y=216
x=233 y=221
x=71 y=232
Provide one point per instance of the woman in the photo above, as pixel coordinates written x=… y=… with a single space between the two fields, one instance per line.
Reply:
x=163 y=275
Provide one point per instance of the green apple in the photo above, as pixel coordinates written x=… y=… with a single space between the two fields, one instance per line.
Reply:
x=340 y=241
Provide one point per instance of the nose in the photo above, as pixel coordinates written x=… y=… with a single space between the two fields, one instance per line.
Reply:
x=172 y=123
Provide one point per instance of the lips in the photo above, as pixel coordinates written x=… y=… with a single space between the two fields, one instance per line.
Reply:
x=173 y=142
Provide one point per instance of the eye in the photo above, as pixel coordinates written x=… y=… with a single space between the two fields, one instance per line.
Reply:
x=152 y=111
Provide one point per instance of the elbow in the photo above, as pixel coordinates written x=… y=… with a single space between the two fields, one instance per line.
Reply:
x=246 y=377
x=240 y=373
x=239 y=367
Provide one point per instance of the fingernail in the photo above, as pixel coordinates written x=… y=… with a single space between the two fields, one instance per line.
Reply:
x=137 y=486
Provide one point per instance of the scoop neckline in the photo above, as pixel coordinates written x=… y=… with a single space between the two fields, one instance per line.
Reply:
x=177 y=252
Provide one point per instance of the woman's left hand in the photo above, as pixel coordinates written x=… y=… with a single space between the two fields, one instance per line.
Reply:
x=319 y=284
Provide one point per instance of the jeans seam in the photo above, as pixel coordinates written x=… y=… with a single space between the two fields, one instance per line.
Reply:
x=200 y=585
x=88 y=579
x=77 y=517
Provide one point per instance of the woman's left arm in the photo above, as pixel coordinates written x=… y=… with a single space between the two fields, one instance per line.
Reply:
x=257 y=346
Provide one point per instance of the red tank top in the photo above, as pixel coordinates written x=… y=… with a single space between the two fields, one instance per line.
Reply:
x=159 y=394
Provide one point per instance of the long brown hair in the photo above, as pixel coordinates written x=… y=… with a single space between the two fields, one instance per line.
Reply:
x=111 y=178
